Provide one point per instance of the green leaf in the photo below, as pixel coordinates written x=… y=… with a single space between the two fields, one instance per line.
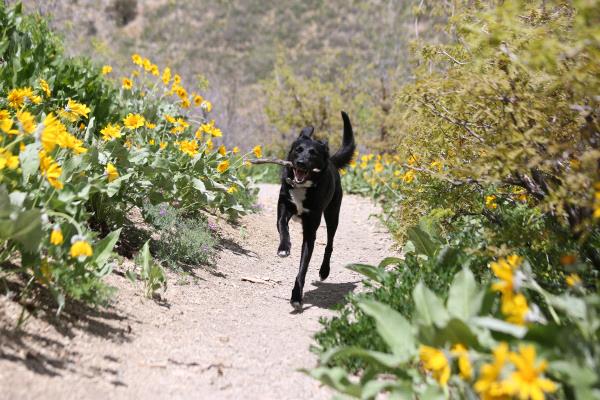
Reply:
x=103 y=249
x=371 y=272
x=464 y=298
x=393 y=328
x=29 y=160
x=497 y=325
x=390 y=261
x=429 y=308
x=422 y=241
x=375 y=357
x=5 y=207
x=27 y=230
x=455 y=331
x=336 y=378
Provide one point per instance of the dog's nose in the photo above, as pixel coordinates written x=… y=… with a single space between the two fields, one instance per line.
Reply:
x=301 y=164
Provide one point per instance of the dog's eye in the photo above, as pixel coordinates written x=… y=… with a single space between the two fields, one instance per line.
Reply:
x=312 y=152
x=299 y=149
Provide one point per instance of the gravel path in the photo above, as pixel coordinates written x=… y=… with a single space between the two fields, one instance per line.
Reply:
x=215 y=336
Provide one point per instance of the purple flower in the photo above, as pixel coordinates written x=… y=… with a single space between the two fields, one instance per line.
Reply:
x=212 y=226
x=162 y=212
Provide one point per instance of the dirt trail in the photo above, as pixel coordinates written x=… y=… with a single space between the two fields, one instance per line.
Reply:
x=215 y=336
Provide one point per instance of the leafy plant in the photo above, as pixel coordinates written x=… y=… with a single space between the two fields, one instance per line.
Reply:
x=151 y=273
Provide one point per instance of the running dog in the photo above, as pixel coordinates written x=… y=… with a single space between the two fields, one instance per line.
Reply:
x=310 y=188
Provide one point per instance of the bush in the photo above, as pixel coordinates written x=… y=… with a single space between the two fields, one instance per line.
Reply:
x=77 y=152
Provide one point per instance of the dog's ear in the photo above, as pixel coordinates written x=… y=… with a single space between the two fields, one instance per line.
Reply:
x=307 y=132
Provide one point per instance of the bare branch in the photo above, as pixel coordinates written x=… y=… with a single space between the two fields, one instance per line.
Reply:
x=463 y=124
x=443 y=52
x=452 y=181
x=283 y=163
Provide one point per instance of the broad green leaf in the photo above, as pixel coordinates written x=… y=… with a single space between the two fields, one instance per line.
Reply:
x=465 y=297
x=103 y=249
x=382 y=359
x=497 y=325
x=389 y=261
x=455 y=331
x=336 y=378
x=5 y=208
x=422 y=241
x=27 y=229
x=29 y=160
x=371 y=272
x=393 y=328
x=429 y=308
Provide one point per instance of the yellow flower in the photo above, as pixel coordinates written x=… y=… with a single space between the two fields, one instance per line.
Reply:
x=489 y=385
x=232 y=189
x=81 y=249
x=53 y=130
x=111 y=131
x=352 y=163
x=464 y=363
x=527 y=382
x=408 y=176
x=189 y=147
x=137 y=59
x=154 y=70
x=515 y=308
x=8 y=160
x=166 y=76
x=435 y=361
x=26 y=121
x=127 y=83
x=45 y=87
x=147 y=64
x=162 y=145
x=106 y=69
x=51 y=170
x=18 y=97
x=133 y=121
x=343 y=172
x=222 y=150
x=209 y=145
x=74 y=110
x=206 y=105
x=504 y=269
x=181 y=92
x=198 y=100
x=223 y=166
x=436 y=165
x=257 y=150
x=573 y=280
x=111 y=172
x=151 y=142
x=235 y=150
x=378 y=167
x=412 y=160
x=150 y=125
x=185 y=103
x=177 y=79
x=490 y=202
x=56 y=237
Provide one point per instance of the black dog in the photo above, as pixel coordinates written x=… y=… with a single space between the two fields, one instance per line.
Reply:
x=310 y=188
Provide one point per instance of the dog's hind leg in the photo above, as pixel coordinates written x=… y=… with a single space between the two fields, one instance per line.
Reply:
x=332 y=216
x=283 y=219
x=309 y=233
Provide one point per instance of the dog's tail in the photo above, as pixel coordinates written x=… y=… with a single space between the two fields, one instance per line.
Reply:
x=344 y=155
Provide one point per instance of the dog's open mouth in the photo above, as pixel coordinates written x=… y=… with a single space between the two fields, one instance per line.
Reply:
x=300 y=175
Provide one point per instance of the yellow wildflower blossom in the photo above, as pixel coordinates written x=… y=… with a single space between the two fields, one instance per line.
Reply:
x=177 y=79
x=528 y=382
x=189 y=147
x=74 y=110
x=150 y=125
x=166 y=76
x=18 y=97
x=53 y=130
x=51 y=170
x=185 y=103
x=222 y=150
x=490 y=202
x=412 y=160
x=490 y=385
x=106 y=69
x=198 y=100
x=133 y=121
x=515 y=308
x=56 y=236
x=206 y=105
x=378 y=167
x=232 y=189
x=111 y=172
x=137 y=59
x=505 y=269
x=111 y=131
x=235 y=150
x=223 y=166
x=81 y=249
x=209 y=145
x=45 y=88
x=573 y=280
x=408 y=176
x=257 y=150
x=464 y=363
x=435 y=361
x=8 y=160
x=154 y=70
x=162 y=145
x=436 y=165
x=26 y=121
x=127 y=83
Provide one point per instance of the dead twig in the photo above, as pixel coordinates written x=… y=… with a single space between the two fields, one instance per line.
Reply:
x=283 y=163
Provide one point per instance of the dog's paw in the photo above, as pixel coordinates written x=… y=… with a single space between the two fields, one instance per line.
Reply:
x=297 y=305
x=283 y=253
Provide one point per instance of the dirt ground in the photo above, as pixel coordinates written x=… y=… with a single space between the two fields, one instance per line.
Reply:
x=222 y=333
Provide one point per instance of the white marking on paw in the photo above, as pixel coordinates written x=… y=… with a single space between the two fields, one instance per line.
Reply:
x=297 y=305
x=282 y=253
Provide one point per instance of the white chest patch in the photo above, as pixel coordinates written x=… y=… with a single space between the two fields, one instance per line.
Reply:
x=298 y=194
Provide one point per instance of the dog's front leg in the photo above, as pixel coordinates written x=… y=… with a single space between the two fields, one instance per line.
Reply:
x=309 y=234
x=283 y=219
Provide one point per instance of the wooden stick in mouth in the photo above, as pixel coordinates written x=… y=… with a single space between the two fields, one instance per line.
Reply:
x=283 y=163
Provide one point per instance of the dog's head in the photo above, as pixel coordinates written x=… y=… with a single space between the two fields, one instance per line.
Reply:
x=308 y=154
